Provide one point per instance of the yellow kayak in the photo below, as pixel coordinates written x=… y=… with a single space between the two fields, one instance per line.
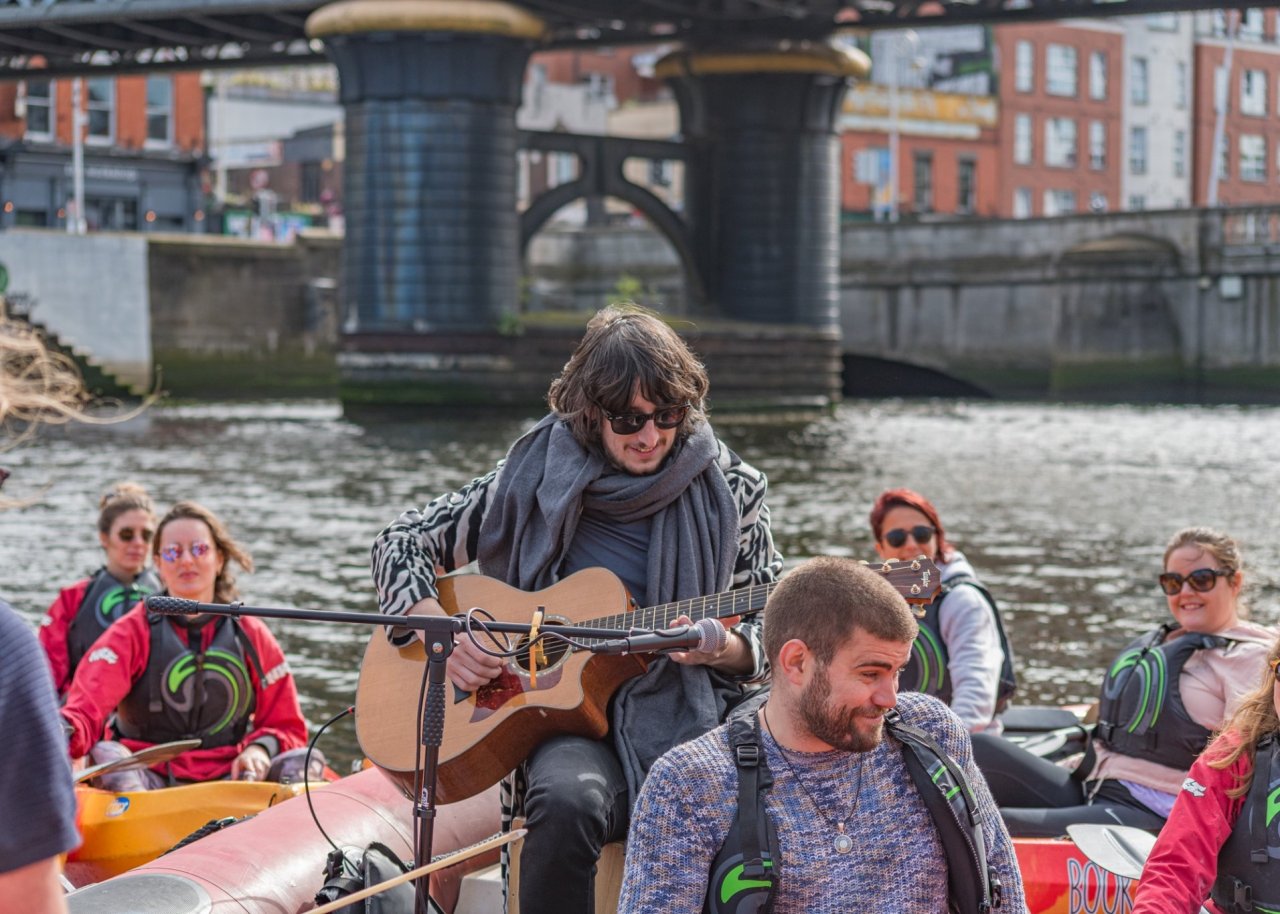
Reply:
x=124 y=830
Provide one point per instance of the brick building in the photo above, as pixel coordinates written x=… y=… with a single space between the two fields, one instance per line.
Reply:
x=1251 y=126
x=1061 y=118
x=143 y=152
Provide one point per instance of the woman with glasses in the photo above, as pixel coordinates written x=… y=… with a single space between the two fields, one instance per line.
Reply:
x=1222 y=815
x=82 y=612
x=219 y=679
x=1162 y=699
x=961 y=655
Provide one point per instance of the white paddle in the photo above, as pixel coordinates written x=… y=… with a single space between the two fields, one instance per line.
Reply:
x=143 y=758
x=1118 y=849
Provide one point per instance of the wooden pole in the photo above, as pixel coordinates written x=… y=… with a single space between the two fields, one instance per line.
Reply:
x=438 y=864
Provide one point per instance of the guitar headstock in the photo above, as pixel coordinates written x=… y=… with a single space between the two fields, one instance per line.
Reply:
x=916 y=579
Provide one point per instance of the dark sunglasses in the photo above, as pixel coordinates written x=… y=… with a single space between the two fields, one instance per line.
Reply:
x=128 y=534
x=920 y=533
x=174 y=551
x=1274 y=663
x=630 y=423
x=1201 y=580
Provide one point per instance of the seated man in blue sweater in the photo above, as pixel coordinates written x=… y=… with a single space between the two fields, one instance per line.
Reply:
x=837 y=794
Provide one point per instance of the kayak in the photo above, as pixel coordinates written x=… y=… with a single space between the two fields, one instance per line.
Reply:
x=124 y=830
x=1058 y=878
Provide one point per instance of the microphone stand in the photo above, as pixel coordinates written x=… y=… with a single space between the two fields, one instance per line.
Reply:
x=437 y=636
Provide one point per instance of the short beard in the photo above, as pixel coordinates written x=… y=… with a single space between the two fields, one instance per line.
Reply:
x=837 y=729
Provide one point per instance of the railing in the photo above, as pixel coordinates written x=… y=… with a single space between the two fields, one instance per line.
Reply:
x=1251 y=227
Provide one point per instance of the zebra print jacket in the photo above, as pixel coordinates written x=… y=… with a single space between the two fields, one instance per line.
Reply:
x=446 y=532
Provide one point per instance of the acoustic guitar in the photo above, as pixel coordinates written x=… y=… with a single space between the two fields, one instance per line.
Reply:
x=487 y=733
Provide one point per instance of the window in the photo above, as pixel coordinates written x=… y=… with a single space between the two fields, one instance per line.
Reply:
x=923 y=182
x=1138 y=150
x=39 y=97
x=1059 y=202
x=1253 y=158
x=1224 y=159
x=1251 y=24
x=1024 y=66
x=1180 y=84
x=1139 y=89
x=966 y=185
x=100 y=103
x=159 y=111
x=1060 y=70
x=1060 y=142
x=1022 y=203
x=1180 y=153
x=1137 y=202
x=309 y=185
x=1022 y=139
x=1253 y=93
x=1098 y=75
x=1097 y=145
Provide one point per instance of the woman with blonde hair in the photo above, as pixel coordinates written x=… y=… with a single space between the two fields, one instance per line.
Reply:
x=37 y=797
x=83 y=611
x=1161 y=701
x=1221 y=841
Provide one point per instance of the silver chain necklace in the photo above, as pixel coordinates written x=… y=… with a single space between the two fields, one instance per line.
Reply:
x=843 y=843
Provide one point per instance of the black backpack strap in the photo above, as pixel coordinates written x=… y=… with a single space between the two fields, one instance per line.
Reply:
x=753 y=778
x=974 y=886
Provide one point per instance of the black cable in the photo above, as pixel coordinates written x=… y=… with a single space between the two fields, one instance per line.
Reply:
x=306 y=779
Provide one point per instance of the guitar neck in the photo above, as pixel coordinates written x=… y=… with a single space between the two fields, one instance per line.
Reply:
x=739 y=602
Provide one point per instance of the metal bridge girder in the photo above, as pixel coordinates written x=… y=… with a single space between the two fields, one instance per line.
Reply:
x=601 y=159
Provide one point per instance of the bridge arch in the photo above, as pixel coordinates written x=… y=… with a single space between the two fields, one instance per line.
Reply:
x=600 y=174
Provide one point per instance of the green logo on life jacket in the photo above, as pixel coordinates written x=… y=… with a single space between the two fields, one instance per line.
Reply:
x=227 y=666
x=1273 y=805
x=733 y=883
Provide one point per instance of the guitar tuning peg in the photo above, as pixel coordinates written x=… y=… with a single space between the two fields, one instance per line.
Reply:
x=887 y=566
x=915 y=589
x=915 y=565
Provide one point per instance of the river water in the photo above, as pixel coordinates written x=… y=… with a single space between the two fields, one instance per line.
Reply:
x=1063 y=509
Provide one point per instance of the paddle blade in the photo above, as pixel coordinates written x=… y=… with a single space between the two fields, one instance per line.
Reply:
x=1118 y=849
x=143 y=758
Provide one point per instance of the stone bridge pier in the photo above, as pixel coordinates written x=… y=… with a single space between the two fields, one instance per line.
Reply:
x=432 y=255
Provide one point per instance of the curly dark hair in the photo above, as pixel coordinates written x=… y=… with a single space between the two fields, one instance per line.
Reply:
x=627 y=349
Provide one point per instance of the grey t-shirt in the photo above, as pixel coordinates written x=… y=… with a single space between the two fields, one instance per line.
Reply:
x=37 y=796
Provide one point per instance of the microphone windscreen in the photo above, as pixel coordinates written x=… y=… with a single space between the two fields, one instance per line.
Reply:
x=714 y=636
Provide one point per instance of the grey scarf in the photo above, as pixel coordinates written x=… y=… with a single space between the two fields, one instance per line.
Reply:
x=541 y=490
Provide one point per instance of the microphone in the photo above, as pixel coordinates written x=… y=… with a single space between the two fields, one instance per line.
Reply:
x=706 y=635
x=176 y=606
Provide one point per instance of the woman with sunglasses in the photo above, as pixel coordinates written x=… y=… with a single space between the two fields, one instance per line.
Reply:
x=1162 y=699
x=82 y=612
x=222 y=680
x=961 y=655
x=1222 y=814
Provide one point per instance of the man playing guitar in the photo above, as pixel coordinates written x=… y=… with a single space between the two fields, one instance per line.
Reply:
x=624 y=474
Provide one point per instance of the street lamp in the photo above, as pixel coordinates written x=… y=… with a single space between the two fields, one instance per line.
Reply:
x=909 y=40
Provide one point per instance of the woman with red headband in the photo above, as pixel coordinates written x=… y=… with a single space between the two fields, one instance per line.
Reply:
x=961 y=654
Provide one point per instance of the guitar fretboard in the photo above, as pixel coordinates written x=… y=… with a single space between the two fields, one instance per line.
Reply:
x=717 y=606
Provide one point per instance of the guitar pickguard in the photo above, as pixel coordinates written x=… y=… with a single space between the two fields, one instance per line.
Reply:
x=515 y=679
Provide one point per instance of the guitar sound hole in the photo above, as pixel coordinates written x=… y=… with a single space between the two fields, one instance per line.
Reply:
x=553 y=651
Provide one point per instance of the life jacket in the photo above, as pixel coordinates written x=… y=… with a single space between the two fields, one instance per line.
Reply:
x=105 y=600
x=927 y=670
x=1140 y=712
x=1249 y=862
x=189 y=693
x=746 y=872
